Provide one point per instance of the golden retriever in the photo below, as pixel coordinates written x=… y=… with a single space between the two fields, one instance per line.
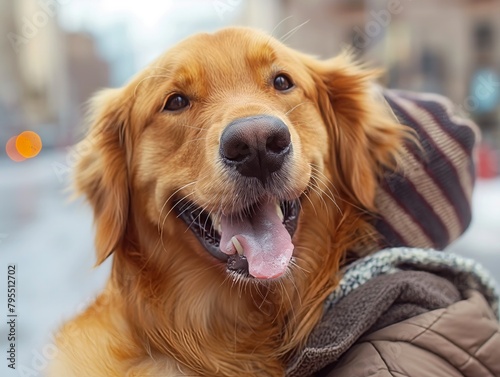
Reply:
x=229 y=179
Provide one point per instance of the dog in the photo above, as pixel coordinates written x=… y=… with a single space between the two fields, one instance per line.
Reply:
x=229 y=180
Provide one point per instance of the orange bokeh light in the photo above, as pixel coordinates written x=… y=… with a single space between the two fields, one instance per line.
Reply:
x=28 y=144
x=11 y=150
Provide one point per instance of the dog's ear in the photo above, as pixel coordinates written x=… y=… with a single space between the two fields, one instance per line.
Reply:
x=102 y=173
x=365 y=135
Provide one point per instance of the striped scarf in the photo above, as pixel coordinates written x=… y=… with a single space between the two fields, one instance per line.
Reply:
x=427 y=203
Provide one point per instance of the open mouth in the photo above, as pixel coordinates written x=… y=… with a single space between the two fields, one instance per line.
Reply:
x=255 y=242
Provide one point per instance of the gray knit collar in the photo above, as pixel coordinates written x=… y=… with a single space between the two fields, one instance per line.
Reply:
x=466 y=273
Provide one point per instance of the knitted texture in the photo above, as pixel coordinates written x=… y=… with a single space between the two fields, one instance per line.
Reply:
x=464 y=272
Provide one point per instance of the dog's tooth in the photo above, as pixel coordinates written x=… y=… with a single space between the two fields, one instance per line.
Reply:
x=216 y=222
x=280 y=212
x=237 y=245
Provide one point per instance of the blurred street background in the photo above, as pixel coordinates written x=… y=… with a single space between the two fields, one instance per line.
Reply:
x=55 y=53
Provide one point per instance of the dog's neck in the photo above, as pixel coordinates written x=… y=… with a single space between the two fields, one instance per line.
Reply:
x=187 y=307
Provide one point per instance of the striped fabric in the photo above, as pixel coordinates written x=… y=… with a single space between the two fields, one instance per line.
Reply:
x=428 y=202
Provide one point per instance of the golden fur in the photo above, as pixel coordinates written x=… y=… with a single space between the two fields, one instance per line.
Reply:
x=171 y=309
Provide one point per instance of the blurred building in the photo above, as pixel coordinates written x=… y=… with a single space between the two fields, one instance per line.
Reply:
x=46 y=73
x=10 y=75
x=86 y=72
x=35 y=95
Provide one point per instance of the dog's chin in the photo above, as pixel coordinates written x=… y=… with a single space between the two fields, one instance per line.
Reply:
x=254 y=243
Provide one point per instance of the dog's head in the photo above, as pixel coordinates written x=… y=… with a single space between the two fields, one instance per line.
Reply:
x=228 y=135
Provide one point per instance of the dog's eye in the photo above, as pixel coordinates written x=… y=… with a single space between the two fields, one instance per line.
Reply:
x=282 y=82
x=176 y=102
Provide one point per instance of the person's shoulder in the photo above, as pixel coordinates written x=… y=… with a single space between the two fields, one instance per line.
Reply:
x=459 y=340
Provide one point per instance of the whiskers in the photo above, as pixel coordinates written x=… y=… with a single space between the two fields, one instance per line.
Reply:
x=290 y=33
x=295 y=266
x=273 y=298
x=296 y=106
x=321 y=184
x=161 y=222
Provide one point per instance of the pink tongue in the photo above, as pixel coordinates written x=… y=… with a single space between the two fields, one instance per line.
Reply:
x=266 y=243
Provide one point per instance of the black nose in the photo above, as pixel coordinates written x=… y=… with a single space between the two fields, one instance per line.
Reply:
x=256 y=146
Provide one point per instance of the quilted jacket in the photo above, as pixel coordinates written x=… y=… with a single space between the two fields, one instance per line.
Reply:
x=460 y=340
